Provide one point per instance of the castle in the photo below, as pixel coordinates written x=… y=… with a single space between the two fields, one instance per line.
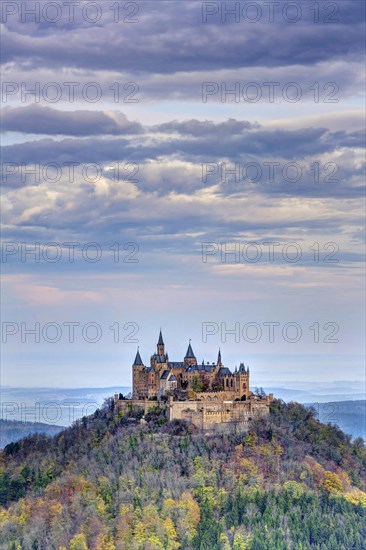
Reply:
x=204 y=394
x=164 y=376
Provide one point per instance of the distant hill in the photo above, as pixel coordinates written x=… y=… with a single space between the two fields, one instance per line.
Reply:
x=110 y=482
x=54 y=405
x=13 y=430
x=350 y=416
x=318 y=392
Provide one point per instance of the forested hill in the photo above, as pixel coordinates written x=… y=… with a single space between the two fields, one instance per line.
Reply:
x=111 y=483
x=12 y=430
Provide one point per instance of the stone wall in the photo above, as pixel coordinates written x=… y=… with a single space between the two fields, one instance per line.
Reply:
x=127 y=405
x=215 y=396
x=205 y=414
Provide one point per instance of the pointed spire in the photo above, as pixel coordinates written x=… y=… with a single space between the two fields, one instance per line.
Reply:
x=219 y=358
x=160 y=341
x=190 y=354
x=138 y=360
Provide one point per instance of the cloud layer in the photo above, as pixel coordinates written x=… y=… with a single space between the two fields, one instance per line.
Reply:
x=154 y=161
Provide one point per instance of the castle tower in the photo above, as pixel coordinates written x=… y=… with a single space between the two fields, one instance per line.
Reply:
x=219 y=358
x=189 y=358
x=160 y=348
x=242 y=382
x=138 y=361
x=139 y=384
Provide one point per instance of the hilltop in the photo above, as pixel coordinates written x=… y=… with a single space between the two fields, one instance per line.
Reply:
x=110 y=483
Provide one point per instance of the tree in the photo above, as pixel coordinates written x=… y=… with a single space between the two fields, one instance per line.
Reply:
x=79 y=542
x=332 y=483
x=106 y=543
x=260 y=393
x=197 y=384
x=241 y=542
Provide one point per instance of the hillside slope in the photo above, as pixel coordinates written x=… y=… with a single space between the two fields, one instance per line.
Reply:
x=110 y=483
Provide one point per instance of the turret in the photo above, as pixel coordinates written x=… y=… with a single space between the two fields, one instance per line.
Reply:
x=189 y=358
x=219 y=358
x=160 y=348
x=138 y=369
x=242 y=369
x=138 y=361
x=242 y=382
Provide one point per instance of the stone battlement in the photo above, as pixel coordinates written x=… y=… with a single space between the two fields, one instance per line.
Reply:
x=203 y=414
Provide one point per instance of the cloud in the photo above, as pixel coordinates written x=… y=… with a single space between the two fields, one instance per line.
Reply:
x=228 y=158
x=166 y=206
x=195 y=141
x=35 y=119
x=180 y=41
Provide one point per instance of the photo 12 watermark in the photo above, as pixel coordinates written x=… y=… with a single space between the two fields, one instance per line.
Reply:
x=49 y=412
x=266 y=12
x=69 y=92
x=70 y=11
x=70 y=332
x=269 y=92
x=70 y=252
x=290 y=252
x=270 y=332
x=326 y=412
x=269 y=171
x=70 y=172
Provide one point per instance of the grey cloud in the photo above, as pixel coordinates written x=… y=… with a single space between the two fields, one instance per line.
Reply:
x=348 y=75
x=179 y=41
x=35 y=119
x=290 y=144
x=206 y=128
x=67 y=150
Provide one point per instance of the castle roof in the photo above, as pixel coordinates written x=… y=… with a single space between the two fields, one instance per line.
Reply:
x=224 y=371
x=173 y=364
x=190 y=354
x=242 y=368
x=160 y=341
x=167 y=375
x=138 y=360
x=192 y=368
x=209 y=368
x=201 y=368
x=219 y=357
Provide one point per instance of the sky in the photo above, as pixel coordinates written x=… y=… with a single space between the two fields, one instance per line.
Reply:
x=191 y=166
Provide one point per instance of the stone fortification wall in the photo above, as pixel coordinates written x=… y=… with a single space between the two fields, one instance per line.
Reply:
x=205 y=414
